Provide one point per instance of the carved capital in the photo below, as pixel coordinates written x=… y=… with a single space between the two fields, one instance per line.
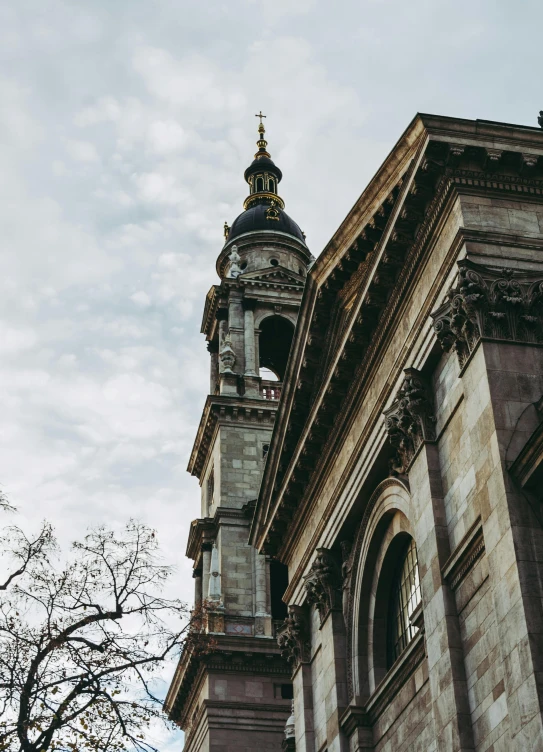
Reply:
x=410 y=420
x=502 y=304
x=294 y=639
x=323 y=583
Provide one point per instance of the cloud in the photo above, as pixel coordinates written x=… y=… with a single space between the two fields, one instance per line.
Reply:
x=124 y=135
x=141 y=298
x=82 y=151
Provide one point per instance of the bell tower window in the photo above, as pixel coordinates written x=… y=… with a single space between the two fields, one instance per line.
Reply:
x=259 y=184
x=271 y=185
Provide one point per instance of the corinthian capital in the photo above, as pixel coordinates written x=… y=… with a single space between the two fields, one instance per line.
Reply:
x=323 y=583
x=502 y=304
x=410 y=420
x=294 y=639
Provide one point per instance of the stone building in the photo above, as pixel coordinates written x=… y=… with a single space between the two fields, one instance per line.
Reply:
x=401 y=487
x=239 y=695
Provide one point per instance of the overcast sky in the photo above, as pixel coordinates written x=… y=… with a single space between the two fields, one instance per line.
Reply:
x=125 y=128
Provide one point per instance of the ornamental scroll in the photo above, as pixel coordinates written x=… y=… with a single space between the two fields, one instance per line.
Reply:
x=323 y=583
x=293 y=639
x=491 y=303
x=410 y=420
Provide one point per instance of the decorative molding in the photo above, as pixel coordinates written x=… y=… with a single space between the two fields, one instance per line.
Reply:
x=230 y=655
x=351 y=568
x=526 y=467
x=294 y=638
x=490 y=303
x=354 y=717
x=410 y=420
x=451 y=181
x=221 y=409
x=323 y=583
x=401 y=671
x=468 y=552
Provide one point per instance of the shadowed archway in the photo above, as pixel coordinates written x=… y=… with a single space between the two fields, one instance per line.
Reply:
x=276 y=335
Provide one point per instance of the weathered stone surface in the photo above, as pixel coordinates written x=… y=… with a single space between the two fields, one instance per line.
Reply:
x=412 y=411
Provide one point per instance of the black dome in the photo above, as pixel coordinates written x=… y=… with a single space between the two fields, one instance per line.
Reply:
x=254 y=219
x=262 y=163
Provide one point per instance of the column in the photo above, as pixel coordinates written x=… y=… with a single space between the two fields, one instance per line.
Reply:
x=249 y=329
x=443 y=642
x=206 y=566
x=213 y=349
x=262 y=615
x=252 y=380
x=197 y=575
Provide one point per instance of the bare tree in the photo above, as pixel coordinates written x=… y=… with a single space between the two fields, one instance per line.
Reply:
x=80 y=647
x=19 y=551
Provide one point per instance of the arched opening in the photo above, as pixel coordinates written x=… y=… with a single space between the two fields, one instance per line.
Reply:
x=271 y=185
x=259 y=184
x=275 y=339
x=278 y=585
x=405 y=597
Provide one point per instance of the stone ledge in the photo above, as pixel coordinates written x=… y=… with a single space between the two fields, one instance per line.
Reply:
x=398 y=675
x=465 y=556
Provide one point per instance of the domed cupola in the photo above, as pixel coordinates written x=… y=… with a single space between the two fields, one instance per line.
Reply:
x=264 y=208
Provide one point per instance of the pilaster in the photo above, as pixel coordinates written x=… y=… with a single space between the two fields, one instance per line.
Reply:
x=493 y=320
x=410 y=425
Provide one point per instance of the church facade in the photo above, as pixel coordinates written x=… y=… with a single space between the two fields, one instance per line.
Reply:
x=394 y=504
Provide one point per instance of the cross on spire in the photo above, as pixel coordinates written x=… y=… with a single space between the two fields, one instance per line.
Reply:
x=260 y=115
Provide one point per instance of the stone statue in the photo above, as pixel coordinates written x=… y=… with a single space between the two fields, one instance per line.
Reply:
x=235 y=258
x=214 y=593
x=227 y=356
x=290 y=731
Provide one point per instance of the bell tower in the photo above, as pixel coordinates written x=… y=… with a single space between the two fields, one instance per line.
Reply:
x=236 y=695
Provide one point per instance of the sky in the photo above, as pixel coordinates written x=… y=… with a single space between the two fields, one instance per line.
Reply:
x=125 y=128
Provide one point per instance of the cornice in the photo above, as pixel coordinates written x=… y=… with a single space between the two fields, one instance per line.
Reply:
x=447 y=186
x=267 y=238
x=224 y=409
x=229 y=655
x=206 y=529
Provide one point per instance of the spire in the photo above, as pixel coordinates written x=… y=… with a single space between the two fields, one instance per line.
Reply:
x=262 y=174
x=261 y=143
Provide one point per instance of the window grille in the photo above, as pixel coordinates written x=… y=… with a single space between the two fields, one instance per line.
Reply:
x=405 y=599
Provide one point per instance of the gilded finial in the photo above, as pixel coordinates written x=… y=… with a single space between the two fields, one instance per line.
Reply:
x=226 y=229
x=261 y=143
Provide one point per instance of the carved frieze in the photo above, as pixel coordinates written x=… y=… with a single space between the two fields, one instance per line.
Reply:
x=503 y=304
x=323 y=583
x=293 y=639
x=410 y=420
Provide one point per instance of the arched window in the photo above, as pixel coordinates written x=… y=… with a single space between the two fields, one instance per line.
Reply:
x=259 y=183
x=271 y=185
x=405 y=597
x=274 y=344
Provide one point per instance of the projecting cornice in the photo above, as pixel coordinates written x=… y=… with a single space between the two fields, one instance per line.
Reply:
x=357 y=287
x=273 y=279
x=204 y=531
x=243 y=411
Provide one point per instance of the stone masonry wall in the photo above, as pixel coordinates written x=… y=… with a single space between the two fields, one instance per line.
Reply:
x=241 y=449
